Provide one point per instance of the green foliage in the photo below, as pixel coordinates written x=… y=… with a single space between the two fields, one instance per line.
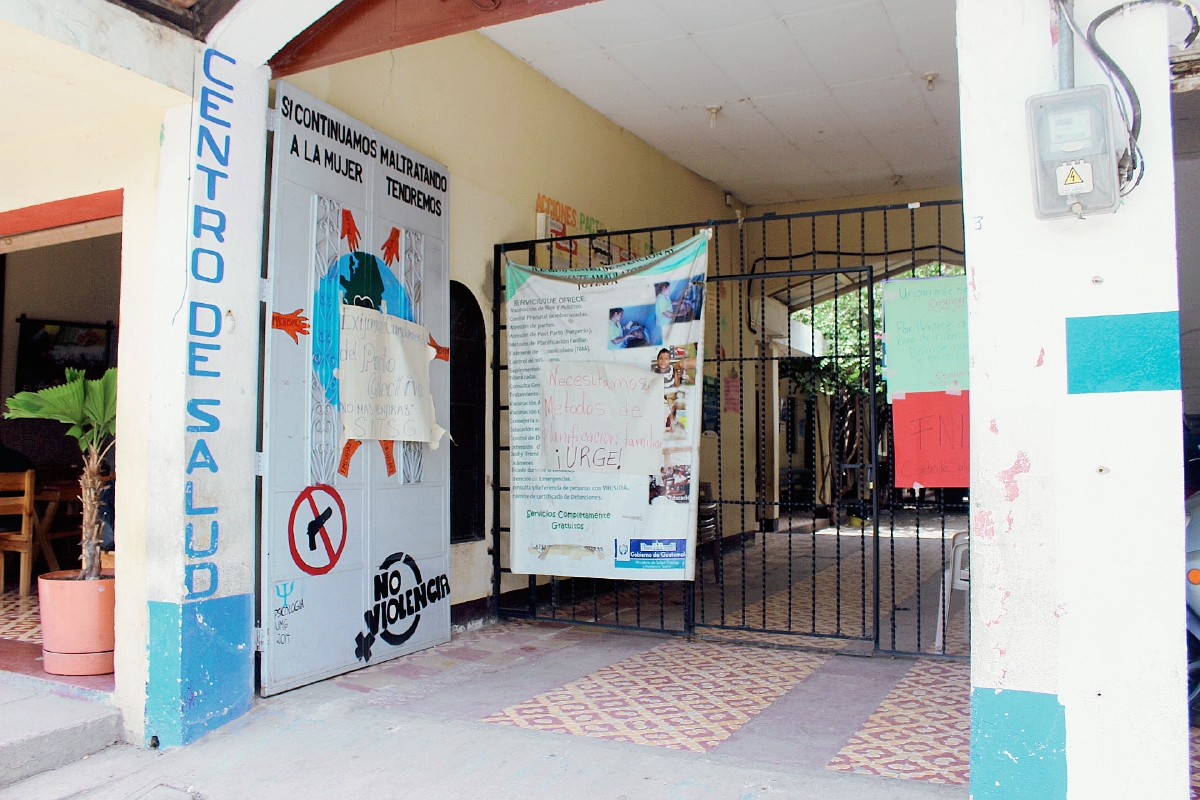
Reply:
x=850 y=332
x=88 y=406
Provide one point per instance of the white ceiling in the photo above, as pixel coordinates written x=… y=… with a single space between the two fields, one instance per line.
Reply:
x=819 y=98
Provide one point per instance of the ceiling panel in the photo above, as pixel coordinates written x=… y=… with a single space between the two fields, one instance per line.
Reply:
x=597 y=80
x=849 y=47
x=694 y=17
x=618 y=23
x=541 y=36
x=678 y=71
x=819 y=98
x=887 y=105
x=771 y=43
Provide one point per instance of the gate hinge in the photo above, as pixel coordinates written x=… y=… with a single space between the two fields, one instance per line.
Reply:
x=264 y=290
x=272 y=119
x=258 y=464
x=259 y=640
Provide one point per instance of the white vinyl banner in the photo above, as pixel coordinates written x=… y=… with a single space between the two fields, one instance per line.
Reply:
x=605 y=407
x=383 y=376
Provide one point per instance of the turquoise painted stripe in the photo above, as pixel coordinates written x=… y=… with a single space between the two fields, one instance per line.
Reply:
x=201 y=667
x=1123 y=353
x=1018 y=745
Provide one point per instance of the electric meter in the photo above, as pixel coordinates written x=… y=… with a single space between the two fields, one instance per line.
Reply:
x=1074 y=162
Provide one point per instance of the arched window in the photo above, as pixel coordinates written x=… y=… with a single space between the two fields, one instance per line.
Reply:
x=468 y=407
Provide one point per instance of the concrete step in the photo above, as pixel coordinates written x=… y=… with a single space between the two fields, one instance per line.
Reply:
x=42 y=731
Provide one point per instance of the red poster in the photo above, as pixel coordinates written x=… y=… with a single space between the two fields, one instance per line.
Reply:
x=933 y=439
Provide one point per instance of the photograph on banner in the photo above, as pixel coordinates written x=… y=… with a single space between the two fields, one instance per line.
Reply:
x=602 y=407
x=652 y=324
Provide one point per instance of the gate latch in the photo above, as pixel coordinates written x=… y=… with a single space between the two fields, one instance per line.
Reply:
x=259 y=640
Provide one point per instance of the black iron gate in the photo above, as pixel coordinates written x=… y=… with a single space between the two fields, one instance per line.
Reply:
x=802 y=540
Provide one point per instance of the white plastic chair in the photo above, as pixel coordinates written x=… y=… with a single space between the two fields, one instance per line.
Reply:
x=957 y=576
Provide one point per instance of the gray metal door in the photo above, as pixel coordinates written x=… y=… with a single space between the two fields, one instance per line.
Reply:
x=355 y=533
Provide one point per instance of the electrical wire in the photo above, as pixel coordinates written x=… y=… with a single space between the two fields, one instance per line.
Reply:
x=1132 y=164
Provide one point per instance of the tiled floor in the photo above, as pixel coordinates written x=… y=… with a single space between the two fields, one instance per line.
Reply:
x=922 y=731
x=680 y=695
x=19 y=618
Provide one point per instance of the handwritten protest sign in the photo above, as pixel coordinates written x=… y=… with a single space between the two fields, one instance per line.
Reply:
x=383 y=376
x=925 y=339
x=933 y=440
x=601 y=417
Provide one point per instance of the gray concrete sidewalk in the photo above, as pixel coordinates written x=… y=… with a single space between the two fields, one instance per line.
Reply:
x=411 y=728
x=40 y=731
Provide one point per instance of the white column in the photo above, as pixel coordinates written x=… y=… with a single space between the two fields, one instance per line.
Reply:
x=1077 y=495
x=203 y=409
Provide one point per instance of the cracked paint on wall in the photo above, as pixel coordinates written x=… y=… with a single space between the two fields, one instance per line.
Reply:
x=1009 y=476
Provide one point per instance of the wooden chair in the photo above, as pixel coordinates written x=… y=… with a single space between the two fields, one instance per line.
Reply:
x=16 y=499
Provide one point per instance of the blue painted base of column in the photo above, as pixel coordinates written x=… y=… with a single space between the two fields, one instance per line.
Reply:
x=201 y=667
x=1018 y=745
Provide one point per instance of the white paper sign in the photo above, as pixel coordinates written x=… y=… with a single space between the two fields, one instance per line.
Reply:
x=602 y=417
x=383 y=377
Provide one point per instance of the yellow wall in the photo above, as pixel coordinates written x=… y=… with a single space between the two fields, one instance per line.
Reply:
x=75 y=125
x=507 y=134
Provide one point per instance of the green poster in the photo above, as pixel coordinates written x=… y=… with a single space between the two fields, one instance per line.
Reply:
x=925 y=335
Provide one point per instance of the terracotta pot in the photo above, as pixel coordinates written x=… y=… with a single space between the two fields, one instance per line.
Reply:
x=77 y=623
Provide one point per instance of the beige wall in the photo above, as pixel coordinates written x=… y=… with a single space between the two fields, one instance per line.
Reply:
x=76 y=125
x=507 y=134
x=75 y=281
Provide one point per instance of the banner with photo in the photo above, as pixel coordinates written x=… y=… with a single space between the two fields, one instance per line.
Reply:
x=605 y=410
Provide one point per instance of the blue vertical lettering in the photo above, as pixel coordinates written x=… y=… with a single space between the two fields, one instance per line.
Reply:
x=210 y=330
x=202 y=458
x=198 y=224
x=208 y=104
x=188 y=537
x=195 y=359
x=196 y=409
x=209 y=55
x=218 y=271
x=189 y=579
x=189 y=509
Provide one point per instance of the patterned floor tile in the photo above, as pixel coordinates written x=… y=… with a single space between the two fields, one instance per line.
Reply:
x=680 y=695
x=19 y=618
x=922 y=731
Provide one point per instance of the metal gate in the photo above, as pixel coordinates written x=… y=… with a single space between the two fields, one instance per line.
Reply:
x=802 y=539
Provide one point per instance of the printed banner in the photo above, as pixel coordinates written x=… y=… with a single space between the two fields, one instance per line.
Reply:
x=605 y=412
x=383 y=375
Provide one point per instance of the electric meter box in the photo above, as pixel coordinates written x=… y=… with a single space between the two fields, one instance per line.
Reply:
x=1073 y=156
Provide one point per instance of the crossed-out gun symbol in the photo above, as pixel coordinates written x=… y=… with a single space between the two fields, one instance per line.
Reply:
x=315 y=526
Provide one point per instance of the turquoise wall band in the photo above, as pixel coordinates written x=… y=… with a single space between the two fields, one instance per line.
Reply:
x=201 y=667
x=1123 y=353
x=1018 y=745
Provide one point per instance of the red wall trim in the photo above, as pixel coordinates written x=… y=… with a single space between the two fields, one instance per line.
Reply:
x=72 y=211
x=357 y=28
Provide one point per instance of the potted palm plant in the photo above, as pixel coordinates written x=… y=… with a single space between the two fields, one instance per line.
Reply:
x=77 y=605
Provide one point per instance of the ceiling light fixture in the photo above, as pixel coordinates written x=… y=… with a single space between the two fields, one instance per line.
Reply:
x=929 y=78
x=712 y=116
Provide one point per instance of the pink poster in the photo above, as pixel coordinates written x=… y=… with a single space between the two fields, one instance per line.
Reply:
x=933 y=440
